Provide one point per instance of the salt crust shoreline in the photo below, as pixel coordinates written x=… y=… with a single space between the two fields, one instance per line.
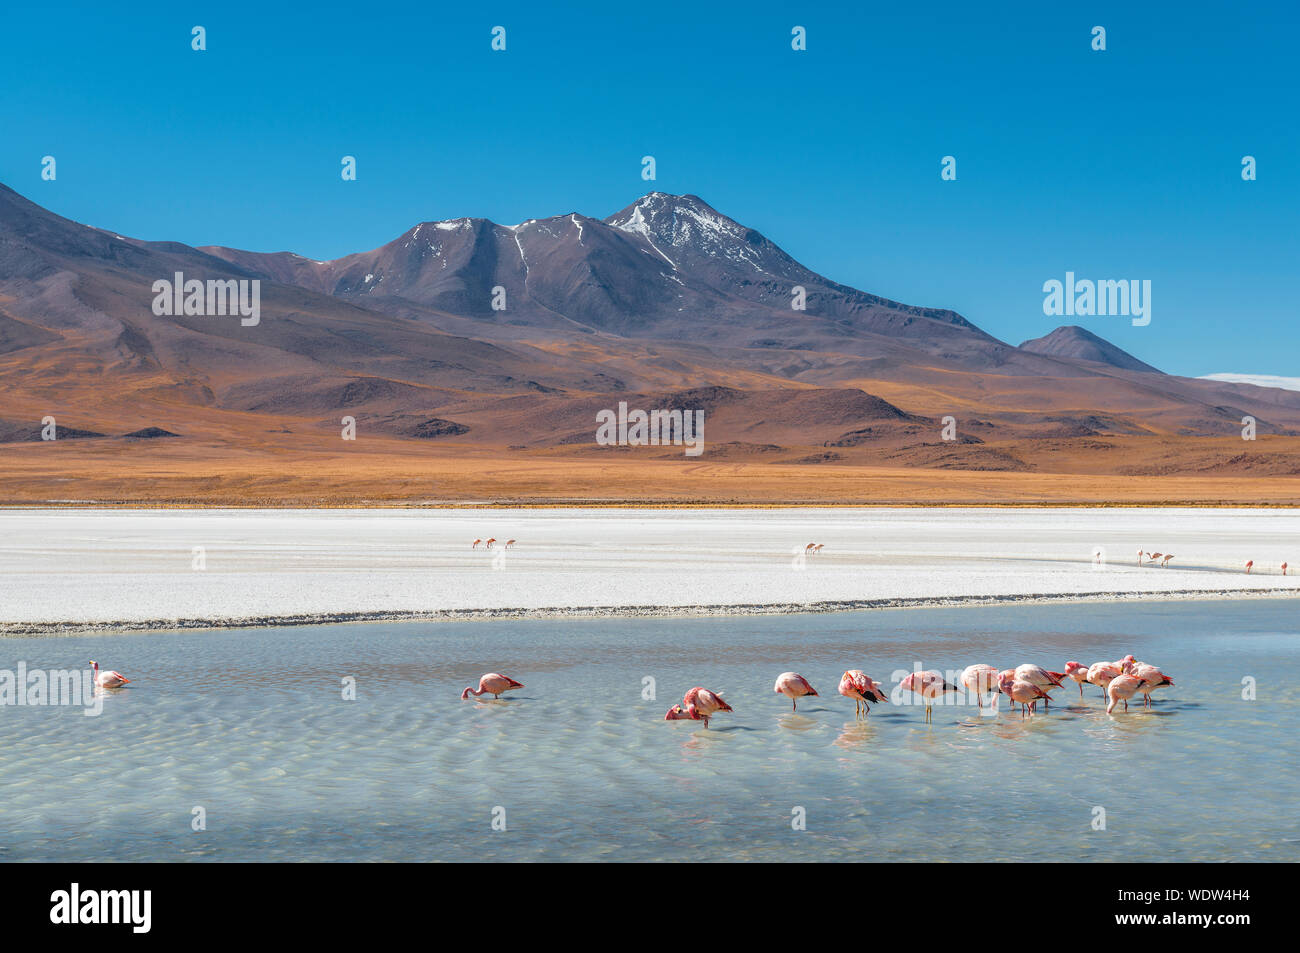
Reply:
x=635 y=612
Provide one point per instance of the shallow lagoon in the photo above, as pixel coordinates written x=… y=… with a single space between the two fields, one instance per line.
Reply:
x=251 y=725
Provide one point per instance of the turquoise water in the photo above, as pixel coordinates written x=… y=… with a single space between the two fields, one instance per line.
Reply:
x=251 y=726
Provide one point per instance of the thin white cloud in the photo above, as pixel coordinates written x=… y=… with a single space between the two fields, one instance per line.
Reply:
x=1259 y=380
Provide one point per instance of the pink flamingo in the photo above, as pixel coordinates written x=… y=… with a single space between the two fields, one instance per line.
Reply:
x=1152 y=678
x=1140 y=555
x=1284 y=569
x=1122 y=688
x=476 y=542
x=1020 y=691
x=862 y=688
x=108 y=678
x=980 y=680
x=1249 y=563
x=793 y=686
x=818 y=547
x=1165 y=562
x=491 y=541
x=1077 y=671
x=810 y=549
x=509 y=543
x=493 y=683
x=930 y=685
x=1101 y=674
x=1037 y=675
x=698 y=704
x=1005 y=673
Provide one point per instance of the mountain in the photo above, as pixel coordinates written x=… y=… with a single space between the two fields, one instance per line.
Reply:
x=666 y=301
x=1082 y=345
x=669 y=268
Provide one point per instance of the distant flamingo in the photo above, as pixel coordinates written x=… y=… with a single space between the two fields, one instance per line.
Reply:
x=930 y=685
x=1284 y=569
x=509 y=543
x=491 y=541
x=493 y=683
x=1165 y=562
x=980 y=680
x=1249 y=563
x=476 y=542
x=1140 y=555
x=818 y=547
x=1122 y=688
x=1101 y=674
x=1020 y=691
x=862 y=688
x=1079 y=672
x=810 y=549
x=1155 y=556
x=108 y=678
x=698 y=704
x=793 y=686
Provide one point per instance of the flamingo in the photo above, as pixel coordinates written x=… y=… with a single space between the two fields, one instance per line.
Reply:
x=862 y=688
x=818 y=547
x=930 y=685
x=476 y=542
x=1037 y=675
x=979 y=679
x=1284 y=569
x=494 y=683
x=491 y=541
x=1101 y=674
x=1021 y=691
x=509 y=543
x=1122 y=688
x=108 y=678
x=1249 y=563
x=698 y=704
x=1165 y=562
x=1140 y=555
x=810 y=549
x=1152 y=678
x=793 y=686
x=1079 y=672
x=1155 y=556
x=1010 y=672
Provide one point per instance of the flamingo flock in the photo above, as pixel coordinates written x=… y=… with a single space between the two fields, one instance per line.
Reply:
x=1145 y=557
x=1025 y=685
x=488 y=544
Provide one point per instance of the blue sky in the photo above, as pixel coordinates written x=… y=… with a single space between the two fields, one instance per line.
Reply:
x=1117 y=164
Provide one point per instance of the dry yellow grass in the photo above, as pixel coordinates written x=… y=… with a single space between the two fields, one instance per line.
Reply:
x=316 y=470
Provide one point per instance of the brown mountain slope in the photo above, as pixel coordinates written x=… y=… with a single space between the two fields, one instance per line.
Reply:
x=666 y=303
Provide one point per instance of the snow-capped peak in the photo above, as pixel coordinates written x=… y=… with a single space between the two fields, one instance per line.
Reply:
x=687 y=222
